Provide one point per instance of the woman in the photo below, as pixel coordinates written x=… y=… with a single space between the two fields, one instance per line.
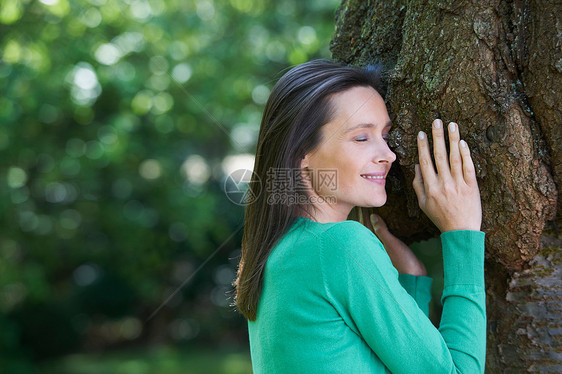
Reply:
x=320 y=292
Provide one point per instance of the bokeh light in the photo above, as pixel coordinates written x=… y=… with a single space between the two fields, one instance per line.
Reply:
x=120 y=121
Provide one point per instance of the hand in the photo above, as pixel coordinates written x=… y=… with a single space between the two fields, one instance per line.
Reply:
x=402 y=257
x=450 y=197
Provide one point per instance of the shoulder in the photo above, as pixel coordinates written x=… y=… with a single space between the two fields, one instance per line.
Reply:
x=342 y=228
x=350 y=230
x=350 y=240
x=352 y=256
x=350 y=234
x=339 y=240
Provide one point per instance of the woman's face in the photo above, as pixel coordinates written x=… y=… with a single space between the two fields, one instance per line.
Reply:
x=354 y=144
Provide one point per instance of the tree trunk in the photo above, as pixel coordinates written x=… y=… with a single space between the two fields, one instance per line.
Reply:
x=495 y=68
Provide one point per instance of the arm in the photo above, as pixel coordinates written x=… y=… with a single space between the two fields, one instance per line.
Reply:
x=363 y=286
x=402 y=257
x=419 y=287
x=412 y=273
x=390 y=323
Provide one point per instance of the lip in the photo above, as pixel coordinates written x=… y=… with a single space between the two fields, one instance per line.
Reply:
x=379 y=178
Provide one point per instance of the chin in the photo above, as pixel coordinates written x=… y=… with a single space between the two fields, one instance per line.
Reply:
x=376 y=204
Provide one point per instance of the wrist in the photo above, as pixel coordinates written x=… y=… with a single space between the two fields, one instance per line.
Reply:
x=407 y=263
x=417 y=271
x=464 y=226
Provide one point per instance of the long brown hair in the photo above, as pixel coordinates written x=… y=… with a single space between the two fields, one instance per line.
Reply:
x=298 y=107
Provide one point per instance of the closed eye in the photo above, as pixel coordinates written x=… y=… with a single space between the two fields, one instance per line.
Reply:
x=361 y=139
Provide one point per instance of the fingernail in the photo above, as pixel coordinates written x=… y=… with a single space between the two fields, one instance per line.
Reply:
x=437 y=123
x=463 y=144
x=374 y=221
x=452 y=127
x=421 y=135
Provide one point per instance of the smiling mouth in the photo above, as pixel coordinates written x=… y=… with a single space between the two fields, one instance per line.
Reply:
x=372 y=176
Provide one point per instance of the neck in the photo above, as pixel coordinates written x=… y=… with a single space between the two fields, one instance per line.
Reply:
x=325 y=212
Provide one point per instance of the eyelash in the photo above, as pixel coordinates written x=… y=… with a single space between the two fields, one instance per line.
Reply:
x=386 y=138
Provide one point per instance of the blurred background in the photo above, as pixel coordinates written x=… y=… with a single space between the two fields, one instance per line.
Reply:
x=119 y=122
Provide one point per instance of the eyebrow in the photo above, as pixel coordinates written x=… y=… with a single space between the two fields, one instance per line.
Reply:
x=366 y=125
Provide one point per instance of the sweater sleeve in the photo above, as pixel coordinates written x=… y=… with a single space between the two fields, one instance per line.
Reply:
x=364 y=287
x=419 y=287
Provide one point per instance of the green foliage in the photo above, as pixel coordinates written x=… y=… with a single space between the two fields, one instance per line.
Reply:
x=158 y=361
x=117 y=120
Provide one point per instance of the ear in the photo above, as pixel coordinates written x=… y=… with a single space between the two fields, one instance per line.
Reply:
x=305 y=162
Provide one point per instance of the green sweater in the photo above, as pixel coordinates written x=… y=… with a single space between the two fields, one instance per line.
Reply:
x=332 y=302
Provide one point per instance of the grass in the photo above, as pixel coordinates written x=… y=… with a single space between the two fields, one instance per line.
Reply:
x=157 y=361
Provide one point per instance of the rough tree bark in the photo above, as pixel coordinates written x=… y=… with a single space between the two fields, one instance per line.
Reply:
x=494 y=67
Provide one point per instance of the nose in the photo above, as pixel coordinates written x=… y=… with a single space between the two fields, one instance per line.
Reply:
x=384 y=154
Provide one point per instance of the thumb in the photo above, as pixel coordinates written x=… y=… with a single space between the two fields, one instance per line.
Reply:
x=379 y=228
x=374 y=220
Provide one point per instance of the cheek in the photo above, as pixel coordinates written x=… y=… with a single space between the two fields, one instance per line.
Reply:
x=349 y=180
x=345 y=166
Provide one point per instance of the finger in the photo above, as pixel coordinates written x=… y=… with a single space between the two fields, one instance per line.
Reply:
x=418 y=186
x=427 y=171
x=380 y=229
x=440 y=150
x=467 y=165
x=374 y=221
x=454 y=155
x=377 y=223
x=365 y=218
